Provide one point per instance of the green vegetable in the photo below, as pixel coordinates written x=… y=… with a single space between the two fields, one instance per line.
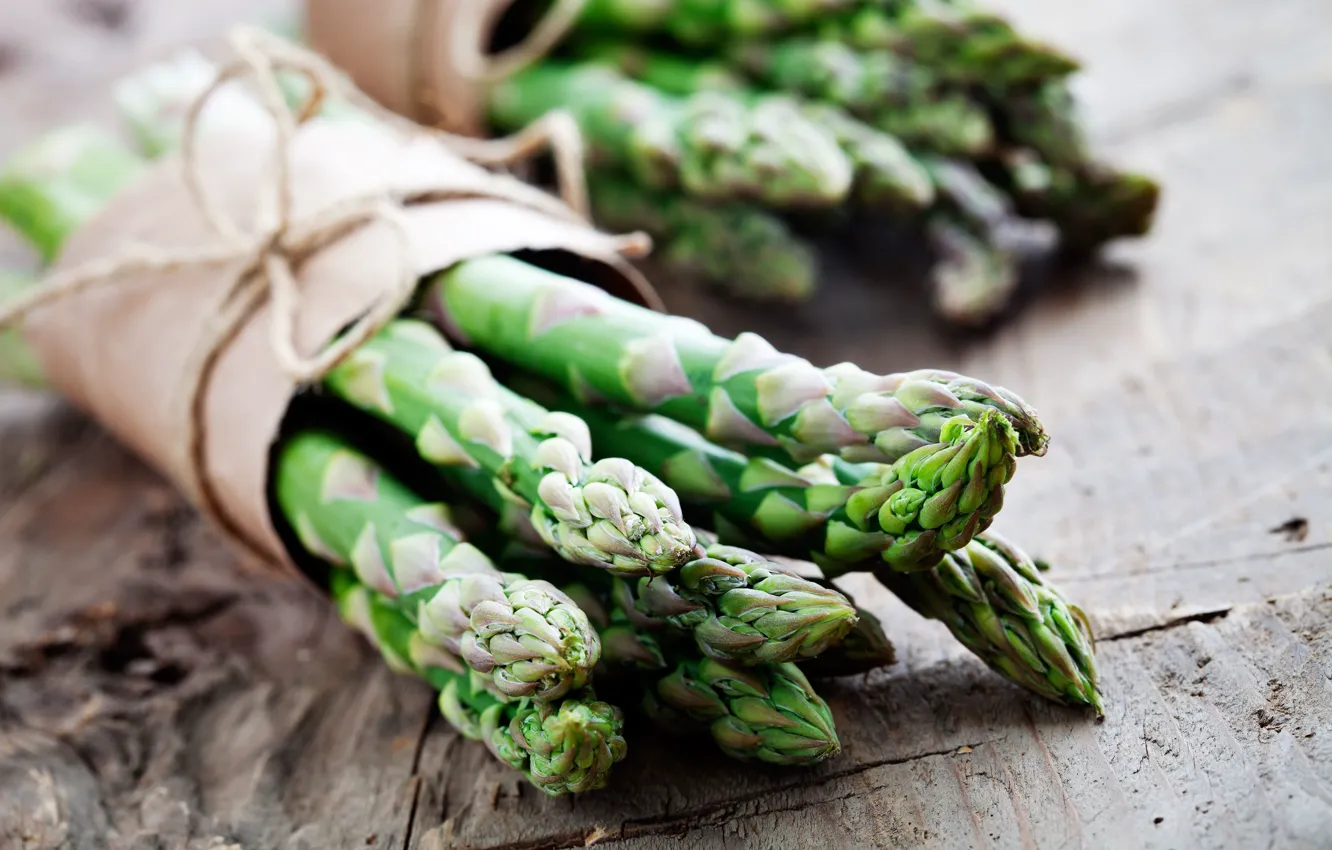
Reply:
x=712 y=146
x=993 y=599
x=610 y=514
x=738 y=392
x=744 y=249
x=563 y=747
x=526 y=636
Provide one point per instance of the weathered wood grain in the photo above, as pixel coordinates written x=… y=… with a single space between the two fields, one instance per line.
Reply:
x=152 y=695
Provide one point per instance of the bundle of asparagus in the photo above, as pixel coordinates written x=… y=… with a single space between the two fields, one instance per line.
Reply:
x=599 y=441
x=712 y=125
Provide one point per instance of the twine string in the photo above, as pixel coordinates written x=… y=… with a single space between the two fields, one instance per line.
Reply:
x=467 y=54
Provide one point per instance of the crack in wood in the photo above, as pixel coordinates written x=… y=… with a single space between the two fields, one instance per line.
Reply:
x=1201 y=617
x=1182 y=566
x=721 y=812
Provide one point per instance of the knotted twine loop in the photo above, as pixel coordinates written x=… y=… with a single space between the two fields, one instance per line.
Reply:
x=469 y=61
x=278 y=240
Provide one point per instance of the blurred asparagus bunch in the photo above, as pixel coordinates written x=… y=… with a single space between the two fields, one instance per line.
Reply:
x=598 y=491
x=710 y=124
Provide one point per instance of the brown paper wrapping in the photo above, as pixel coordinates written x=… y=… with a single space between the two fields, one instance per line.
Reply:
x=120 y=350
x=398 y=52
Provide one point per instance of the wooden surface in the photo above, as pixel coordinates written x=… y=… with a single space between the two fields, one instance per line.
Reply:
x=152 y=696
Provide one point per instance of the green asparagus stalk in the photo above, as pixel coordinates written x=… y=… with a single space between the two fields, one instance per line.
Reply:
x=713 y=145
x=564 y=747
x=885 y=174
x=746 y=250
x=1052 y=174
x=993 y=599
x=1090 y=205
x=18 y=362
x=891 y=92
x=746 y=610
x=1045 y=119
x=856 y=518
x=608 y=514
x=974 y=275
x=705 y=22
x=972 y=279
x=959 y=42
x=51 y=187
x=737 y=392
x=526 y=636
x=769 y=713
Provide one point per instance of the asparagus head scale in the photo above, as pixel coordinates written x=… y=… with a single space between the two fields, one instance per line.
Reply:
x=525 y=636
x=608 y=514
x=993 y=599
x=713 y=145
x=740 y=392
x=563 y=747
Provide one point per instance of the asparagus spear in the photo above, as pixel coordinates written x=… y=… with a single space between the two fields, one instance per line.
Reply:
x=856 y=518
x=887 y=90
x=738 y=392
x=609 y=514
x=957 y=41
x=564 y=747
x=18 y=362
x=1090 y=204
x=744 y=609
x=525 y=635
x=52 y=186
x=885 y=174
x=974 y=274
x=1052 y=174
x=711 y=145
x=972 y=278
x=768 y=712
x=703 y=22
x=992 y=598
x=746 y=250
